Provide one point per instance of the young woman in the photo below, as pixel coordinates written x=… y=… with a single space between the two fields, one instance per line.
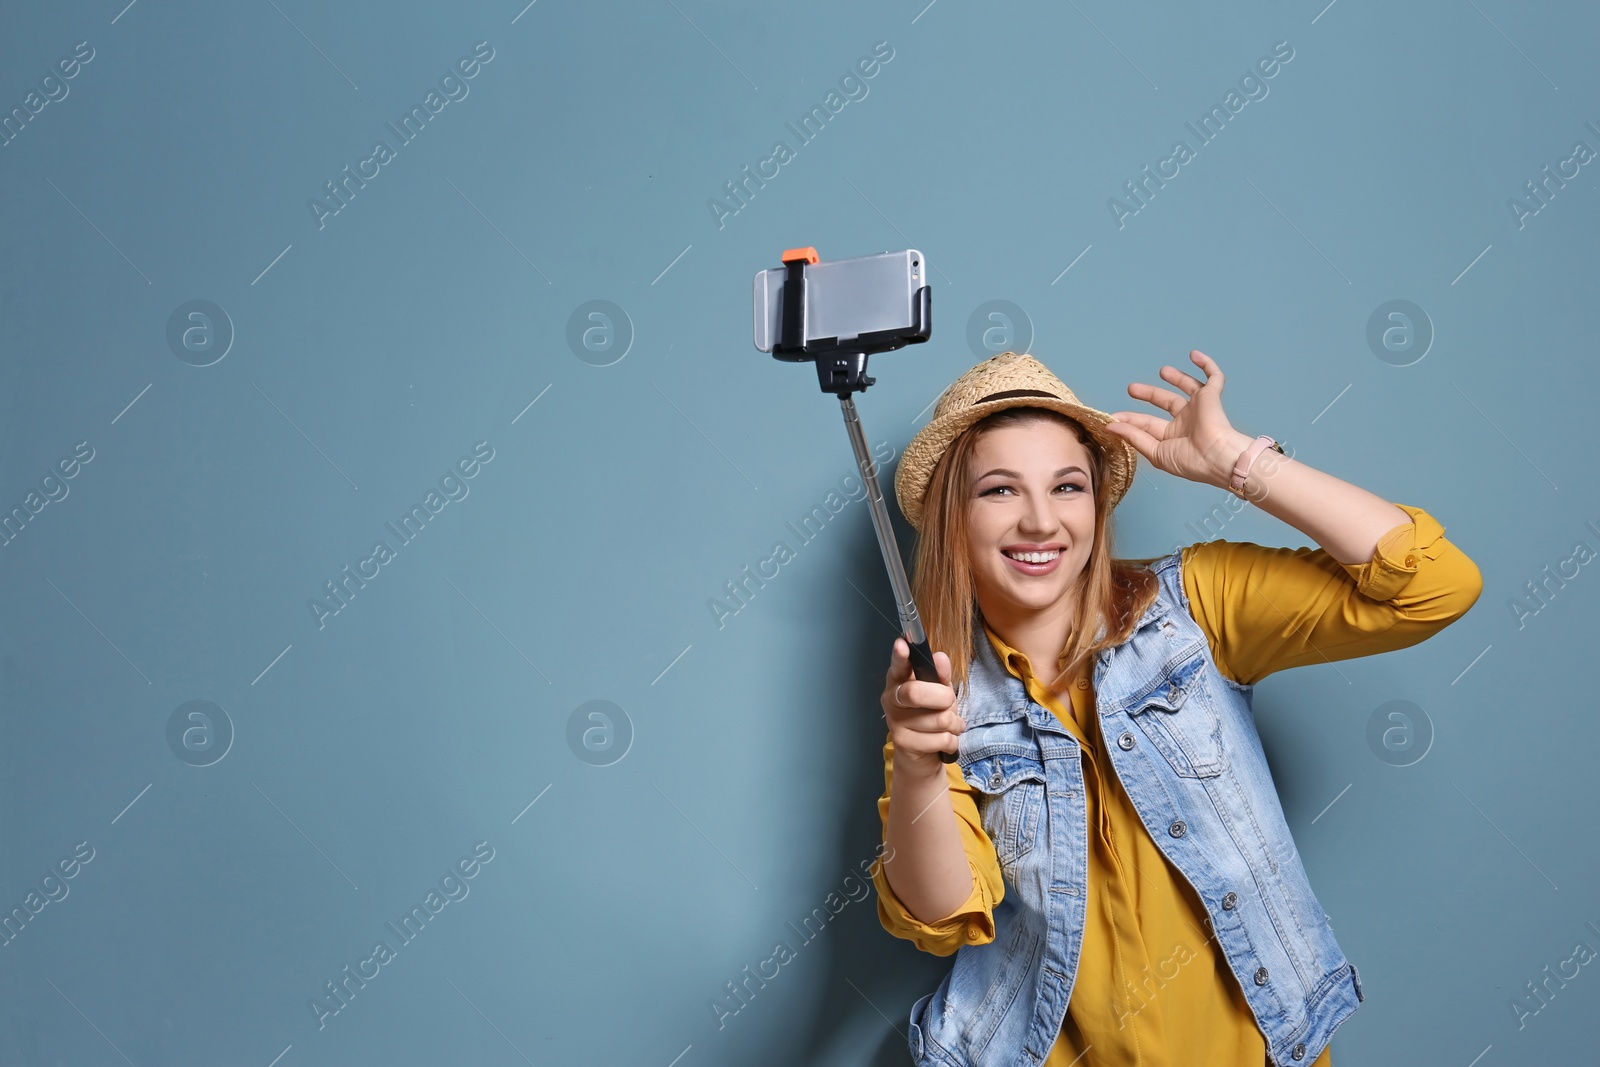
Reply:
x=1108 y=859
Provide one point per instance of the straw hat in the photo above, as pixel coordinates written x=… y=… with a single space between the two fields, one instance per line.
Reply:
x=1004 y=381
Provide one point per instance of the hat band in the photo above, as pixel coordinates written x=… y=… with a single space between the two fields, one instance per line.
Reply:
x=1017 y=392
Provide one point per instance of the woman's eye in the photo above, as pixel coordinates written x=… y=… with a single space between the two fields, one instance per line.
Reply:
x=1064 y=485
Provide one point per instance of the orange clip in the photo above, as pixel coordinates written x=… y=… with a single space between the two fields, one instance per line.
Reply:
x=808 y=254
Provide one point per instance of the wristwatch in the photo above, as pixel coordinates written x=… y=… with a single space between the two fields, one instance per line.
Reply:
x=1241 y=469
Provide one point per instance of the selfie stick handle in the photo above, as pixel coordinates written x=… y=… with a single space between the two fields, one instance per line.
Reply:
x=911 y=623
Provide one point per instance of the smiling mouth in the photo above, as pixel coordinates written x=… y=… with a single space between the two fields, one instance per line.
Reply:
x=1032 y=557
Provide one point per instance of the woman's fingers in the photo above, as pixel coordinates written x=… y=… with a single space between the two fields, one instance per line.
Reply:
x=1144 y=421
x=916 y=705
x=915 y=694
x=1187 y=382
x=1143 y=442
x=928 y=721
x=922 y=715
x=900 y=662
x=1209 y=365
x=1164 y=399
x=901 y=677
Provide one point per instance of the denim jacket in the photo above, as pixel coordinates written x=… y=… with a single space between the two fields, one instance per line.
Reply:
x=1182 y=740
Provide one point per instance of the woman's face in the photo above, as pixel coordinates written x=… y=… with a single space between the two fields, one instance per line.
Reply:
x=1029 y=488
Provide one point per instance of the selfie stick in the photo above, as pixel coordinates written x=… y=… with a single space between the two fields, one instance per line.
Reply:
x=842 y=369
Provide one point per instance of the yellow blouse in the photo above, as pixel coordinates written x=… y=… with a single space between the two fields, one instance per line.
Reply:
x=1152 y=988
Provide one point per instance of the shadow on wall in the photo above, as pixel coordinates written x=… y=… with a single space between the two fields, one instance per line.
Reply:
x=869 y=973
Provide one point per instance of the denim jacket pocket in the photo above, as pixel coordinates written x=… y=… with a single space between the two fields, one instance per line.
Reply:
x=1009 y=776
x=1179 y=720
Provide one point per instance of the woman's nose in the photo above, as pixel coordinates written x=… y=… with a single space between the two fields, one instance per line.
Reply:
x=1037 y=517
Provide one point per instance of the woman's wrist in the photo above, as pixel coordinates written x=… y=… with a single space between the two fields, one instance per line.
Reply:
x=1224 y=455
x=919 y=769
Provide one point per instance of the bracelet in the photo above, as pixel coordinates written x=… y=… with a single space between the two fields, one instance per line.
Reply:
x=1247 y=459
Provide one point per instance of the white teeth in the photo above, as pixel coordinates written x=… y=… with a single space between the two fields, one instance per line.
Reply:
x=1035 y=557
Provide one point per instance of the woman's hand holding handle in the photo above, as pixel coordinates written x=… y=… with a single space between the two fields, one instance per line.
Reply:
x=923 y=723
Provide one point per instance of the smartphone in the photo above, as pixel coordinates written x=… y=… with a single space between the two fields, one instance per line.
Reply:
x=879 y=295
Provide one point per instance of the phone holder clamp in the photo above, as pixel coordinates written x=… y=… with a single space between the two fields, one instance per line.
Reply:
x=841 y=362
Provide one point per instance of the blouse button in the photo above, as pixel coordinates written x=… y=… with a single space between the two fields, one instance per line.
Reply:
x=1125 y=742
x=1229 y=901
x=1261 y=976
x=974 y=934
x=1177 y=829
x=1410 y=560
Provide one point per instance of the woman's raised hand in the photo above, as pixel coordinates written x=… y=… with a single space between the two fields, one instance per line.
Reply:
x=1198 y=442
x=922 y=718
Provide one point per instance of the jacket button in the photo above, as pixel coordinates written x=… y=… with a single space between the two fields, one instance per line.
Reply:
x=1261 y=976
x=1229 y=900
x=994 y=779
x=1125 y=742
x=1177 y=828
x=1299 y=1051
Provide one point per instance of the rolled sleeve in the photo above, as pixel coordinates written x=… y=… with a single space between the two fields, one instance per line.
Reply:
x=1398 y=555
x=1268 y=609
x=972 y=923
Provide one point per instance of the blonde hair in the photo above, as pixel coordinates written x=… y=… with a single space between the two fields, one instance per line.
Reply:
x=1112 y=591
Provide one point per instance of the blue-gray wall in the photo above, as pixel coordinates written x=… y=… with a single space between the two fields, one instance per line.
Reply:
x=217 y=396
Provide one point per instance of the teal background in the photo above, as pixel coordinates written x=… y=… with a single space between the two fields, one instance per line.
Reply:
x=729 y=785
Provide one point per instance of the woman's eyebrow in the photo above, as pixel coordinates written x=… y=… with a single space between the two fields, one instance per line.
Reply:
x=1013 y=474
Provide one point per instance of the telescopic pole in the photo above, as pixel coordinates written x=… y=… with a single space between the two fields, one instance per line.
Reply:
x=922 y=664
x=842 y=369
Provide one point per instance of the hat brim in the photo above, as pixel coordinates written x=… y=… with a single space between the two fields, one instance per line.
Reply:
x=928 y=446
